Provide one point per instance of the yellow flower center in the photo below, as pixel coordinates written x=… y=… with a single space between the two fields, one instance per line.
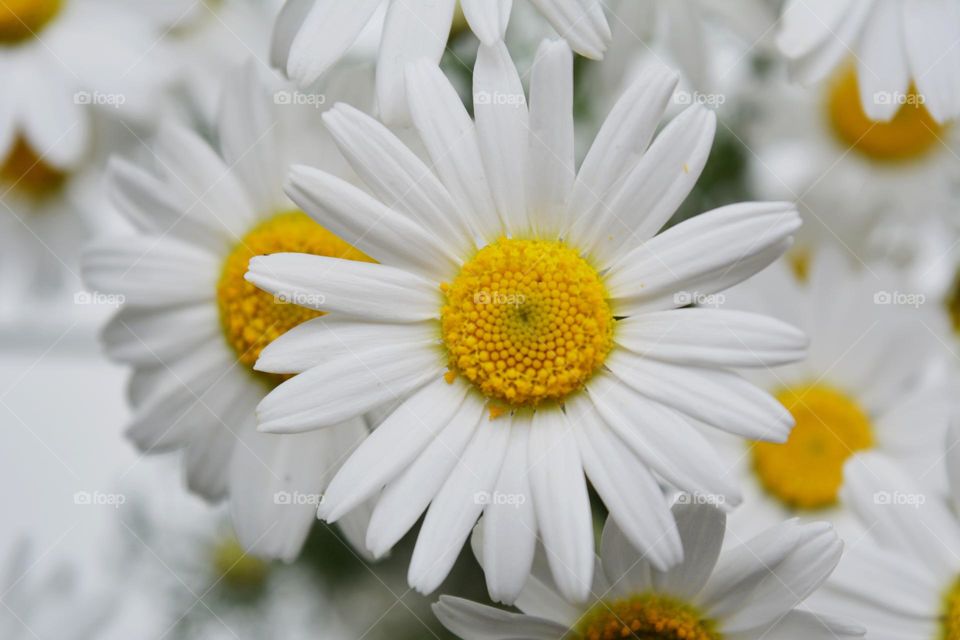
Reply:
x=24 y=171
x=252 y=318
x=806 y=472
x=953 y=303
x=237 y=569
x=24 y=19
x=950 y=618
x=526 y=321
x=911 y=133
x=645 y=617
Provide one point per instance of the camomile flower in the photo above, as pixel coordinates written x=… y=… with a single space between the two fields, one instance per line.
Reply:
x=751 y=591
x=512 y=313
x=48 y=604
x=861 y=184
x=898 y=48
x=64 y=56
x=865 y=385
x=192 y=327
x=311 y=35
x=903 y=579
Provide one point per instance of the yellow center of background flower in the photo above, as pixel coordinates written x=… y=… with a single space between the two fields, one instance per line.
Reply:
x=952 y=302
x=806 y=472
x=645 y=617
x=24 y=171
x=237 y=569
x=526 y=321
x=23 y=19
x=950 y=618
x=909 y=135
x=252 y=318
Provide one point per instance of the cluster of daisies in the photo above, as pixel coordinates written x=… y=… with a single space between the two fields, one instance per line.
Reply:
x=428 y=293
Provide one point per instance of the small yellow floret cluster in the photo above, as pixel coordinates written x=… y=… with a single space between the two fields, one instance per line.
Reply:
x=806 y=472
x=252 y=318
x=526 y=321
x=645 y=617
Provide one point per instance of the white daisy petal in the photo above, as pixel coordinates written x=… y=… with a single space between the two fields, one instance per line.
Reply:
x=370 y=291
x=702 y=337
x=806 y=23
x=207 y=463
x=932 y=30
x=509 y=523
x=391 y=446
x=803 y=624
x=245 y=127
x=625 y=567
x=456 y=507
x=472 y=621
x=718 y=398
x=503 y=126
x=552 y=167
x=581 y=23
x=325 y=35
x=451 y=140
x=151 y=272
x=701 y=528
x=628 y=490
x=789 y=583
x=927 y=531
x=561 y=503
x=882 y=64
x=952 y=462
x=289 y=21
x=703 y=255
x=154 y=209
x=817 y=62
x=659 y=183
x=348 y=386
x=202 y=180
x=487 y=18
x=405 y=499
x=364 y=222
x=663 y=440
x=267 y=473
x=144 y=337
x=317 y=341
x=397 y=177
x=621 y=142
x=414 y=29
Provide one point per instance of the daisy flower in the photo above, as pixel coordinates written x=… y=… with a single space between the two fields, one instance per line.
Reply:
x=311 y=35
x=864 y=385
x=861 y=184
x=899 y=49
x=903 y=579
x=63 y=56
x=513 y=311
x=192 y=327
x=750 y=591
